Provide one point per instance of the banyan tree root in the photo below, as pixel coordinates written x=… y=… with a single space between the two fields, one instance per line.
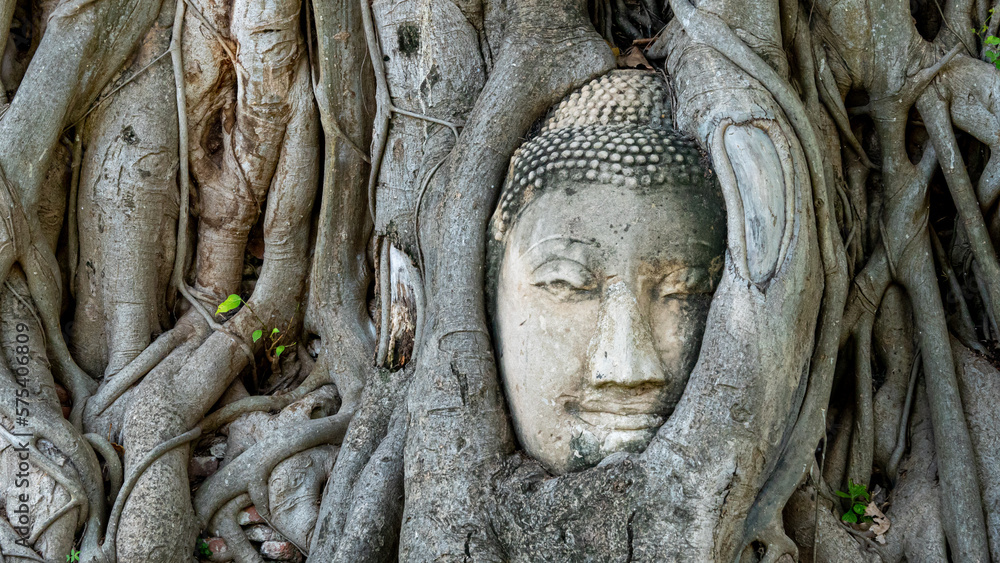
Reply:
x=209 y=370
x=128 y=180
x=249 y=473
x=67 y=495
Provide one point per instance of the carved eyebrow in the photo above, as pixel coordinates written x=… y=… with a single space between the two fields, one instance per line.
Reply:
x=579 y=250
x=569 y=240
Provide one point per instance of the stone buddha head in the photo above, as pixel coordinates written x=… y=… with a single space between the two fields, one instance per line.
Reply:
x=604 y=251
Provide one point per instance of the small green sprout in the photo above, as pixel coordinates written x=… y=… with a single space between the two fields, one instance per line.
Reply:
x=859 y=498
x=992 y=55
x=274 y=348
x=203 y=549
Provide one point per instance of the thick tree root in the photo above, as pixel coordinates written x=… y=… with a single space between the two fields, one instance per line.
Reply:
x=249 y=473
x=133 y=478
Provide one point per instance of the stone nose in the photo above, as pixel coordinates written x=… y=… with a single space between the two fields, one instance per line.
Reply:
x=622 y=352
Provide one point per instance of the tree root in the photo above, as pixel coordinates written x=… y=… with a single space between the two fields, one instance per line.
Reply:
x=78 y=498
x=966 y=328
x=9 y=548
x=131 y=374
x=316 y=379
x=892 y=468
x=859 y=466
x=250 y=471
x=224 y=525
x=377 y=508
x=114 y=465
x=154 y=454
x=778 y=544
x=938 y=123
x=385 y=107
x=708 y=29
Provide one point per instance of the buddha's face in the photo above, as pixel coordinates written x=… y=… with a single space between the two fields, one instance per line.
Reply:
x=601 y=303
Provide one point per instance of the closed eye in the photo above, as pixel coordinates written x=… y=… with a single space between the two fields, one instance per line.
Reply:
x=565 y=279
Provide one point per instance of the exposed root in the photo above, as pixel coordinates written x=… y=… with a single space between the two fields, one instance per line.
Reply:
x=892 y=468
x=224 y=525
x=78 y=498
x=938 y=123
x=138 y=368
x=133 y=478
x=260 y=403
x=249 y=472
x=966 y=329
x=778 y=544
x=385 y=107
x=111 y=461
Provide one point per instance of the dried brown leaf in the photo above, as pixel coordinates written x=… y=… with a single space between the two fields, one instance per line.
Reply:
x=880 y=523
x=633 y=58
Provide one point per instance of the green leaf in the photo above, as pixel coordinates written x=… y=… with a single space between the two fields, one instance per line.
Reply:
x=257 y=334
x=992 y=40
x=849 y=517
x=859 y=508
x=278 y=351
x=842 y=494
x=856 y=489
x=231 y=302
x=274 y=331
x=991 y=56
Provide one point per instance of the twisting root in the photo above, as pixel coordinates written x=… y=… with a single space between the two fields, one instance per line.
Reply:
x=107 y=451
x=966 y=329
x=149 y=358
x=892 y=468
x=708 y=29
x=224 y=525
x=249 y=472
x=938 y=123
x=70 y=483
x=316 y=379
x=133 y=478
x=184 y=175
